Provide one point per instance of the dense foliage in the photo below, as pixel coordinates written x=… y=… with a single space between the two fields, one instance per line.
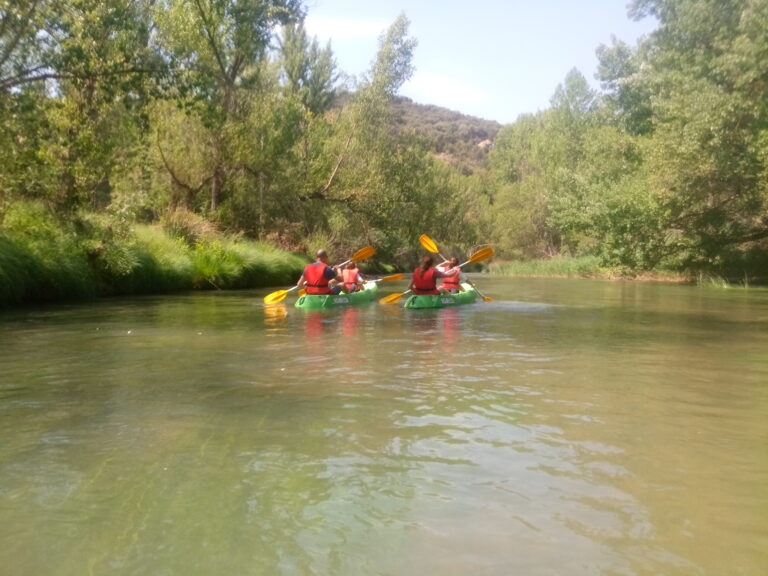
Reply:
x=115 y=114
x=665 y=168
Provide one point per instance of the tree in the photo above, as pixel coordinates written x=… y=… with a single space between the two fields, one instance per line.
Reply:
x=709 y=148
x=308 y=71
x=626 y=95
x=78 y=74
x=218 y=49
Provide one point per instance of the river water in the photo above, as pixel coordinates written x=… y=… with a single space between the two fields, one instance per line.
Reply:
x=567 y=427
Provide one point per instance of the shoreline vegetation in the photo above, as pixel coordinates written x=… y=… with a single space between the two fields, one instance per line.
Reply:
x=172 y=146
x=586 y=267
x=589 y=267
x=43 y=263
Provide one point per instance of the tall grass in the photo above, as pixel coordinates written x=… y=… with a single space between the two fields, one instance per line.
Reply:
x=41 y=261
x=583 y=267
x=45 y=260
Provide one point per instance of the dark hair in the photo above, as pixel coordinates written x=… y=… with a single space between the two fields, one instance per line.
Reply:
x=321 y=253
x=426 y=264
x=453 y=261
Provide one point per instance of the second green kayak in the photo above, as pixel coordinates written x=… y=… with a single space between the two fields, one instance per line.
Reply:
x=467 y=295
x=323 y=301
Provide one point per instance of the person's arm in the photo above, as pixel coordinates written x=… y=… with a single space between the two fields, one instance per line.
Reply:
x=301 y=281
x=333 y=274
x=452 y=272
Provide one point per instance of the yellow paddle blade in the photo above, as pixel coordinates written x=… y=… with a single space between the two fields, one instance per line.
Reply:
x=483 y=296
x=278 y=295
x=275 y=297
x=363 y=254
x=428 y=243
x=392 y=298
x=480 y=255
x=391 y=277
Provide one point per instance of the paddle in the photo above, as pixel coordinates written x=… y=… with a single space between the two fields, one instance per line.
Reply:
x=390 y=278
x=362 y=254
x=392 y=298
x=483 y=296
x=479 y=256
x=279 y=295
x=431 y=246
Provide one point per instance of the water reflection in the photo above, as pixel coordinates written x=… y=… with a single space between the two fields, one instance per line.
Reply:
x=610 y=431
x=450 y=330
x=350 y=323
x=275 y=316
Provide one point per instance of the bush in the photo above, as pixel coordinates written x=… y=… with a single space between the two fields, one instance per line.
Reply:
x=47 y=261
x=43 y=259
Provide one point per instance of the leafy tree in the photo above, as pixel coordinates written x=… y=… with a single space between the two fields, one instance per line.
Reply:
x=218 y=49
x=626 y=95
x=709 y=148
x=308 y=70
x=519 y=199
x=359 y=170
x=23 y=54
x=75 y=75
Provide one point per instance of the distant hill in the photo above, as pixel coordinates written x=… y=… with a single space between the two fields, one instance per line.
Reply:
x=461 y=140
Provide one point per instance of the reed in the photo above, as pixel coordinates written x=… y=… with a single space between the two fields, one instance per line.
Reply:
x=45 y=260
x=562 y=267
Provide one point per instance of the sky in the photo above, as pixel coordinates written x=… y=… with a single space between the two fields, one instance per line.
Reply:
x=493 y=59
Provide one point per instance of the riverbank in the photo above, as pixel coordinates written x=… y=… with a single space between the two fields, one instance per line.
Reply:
x=590 y=267
x=45 y=264
x=44 y=261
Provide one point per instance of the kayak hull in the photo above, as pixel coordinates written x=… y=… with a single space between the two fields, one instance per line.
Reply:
x=325 y=301
x=467 y=295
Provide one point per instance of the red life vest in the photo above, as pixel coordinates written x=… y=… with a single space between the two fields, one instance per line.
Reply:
x=317 y=283
x=425 y=282
x=452 y=282
x=350 y=279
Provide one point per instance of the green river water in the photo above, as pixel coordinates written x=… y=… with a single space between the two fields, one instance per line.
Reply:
x=568 y=427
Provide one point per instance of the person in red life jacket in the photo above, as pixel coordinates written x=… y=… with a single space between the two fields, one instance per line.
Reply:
x=353 y=280
x=452 y=276
x=424 y=279
x=317 y=276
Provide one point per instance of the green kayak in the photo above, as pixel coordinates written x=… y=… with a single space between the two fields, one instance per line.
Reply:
x=323 y=301
x=467 y=295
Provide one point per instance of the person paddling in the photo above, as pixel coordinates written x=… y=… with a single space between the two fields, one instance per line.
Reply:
x=424 y=279
x=318 y=275
x=353 y=280
x=452 y=275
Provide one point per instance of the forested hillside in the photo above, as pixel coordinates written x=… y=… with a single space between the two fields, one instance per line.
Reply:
x=461 y=140
x=218 y=119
